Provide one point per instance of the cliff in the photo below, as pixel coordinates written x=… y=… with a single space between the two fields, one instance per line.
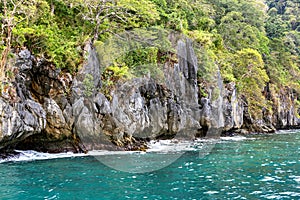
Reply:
x=49 y=110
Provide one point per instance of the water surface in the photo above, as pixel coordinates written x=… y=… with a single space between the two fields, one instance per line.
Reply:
x=262 y=167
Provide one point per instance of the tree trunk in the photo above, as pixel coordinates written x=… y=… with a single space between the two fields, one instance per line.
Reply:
x=5 y=53
x=96 y=30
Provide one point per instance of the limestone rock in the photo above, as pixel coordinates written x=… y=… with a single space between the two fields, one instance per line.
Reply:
x=52 y=111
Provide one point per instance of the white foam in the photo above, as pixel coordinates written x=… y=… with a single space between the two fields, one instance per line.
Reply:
x=293 y=194
x=236 y=138
x=256 y=192
x=155 y=146
x=170 y=146
x=188 y=145
x=287 y=131
x=211 y=192
x=267 y=178
x=296 y=178
x=105 y=152
x=272 y=196
x=34 y=155
x=165 y=146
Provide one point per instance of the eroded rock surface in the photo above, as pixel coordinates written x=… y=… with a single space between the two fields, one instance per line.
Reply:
x=49 y=110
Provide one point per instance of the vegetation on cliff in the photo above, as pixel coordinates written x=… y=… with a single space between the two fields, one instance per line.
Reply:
x=252 y=42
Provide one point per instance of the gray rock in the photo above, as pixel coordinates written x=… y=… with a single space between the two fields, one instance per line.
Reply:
x=25 y=54
x=102 y=104
x=91 y=69
x=57 y=126
x=233 y=108
x=24 y=61
x=141 y=108
x=145 y=108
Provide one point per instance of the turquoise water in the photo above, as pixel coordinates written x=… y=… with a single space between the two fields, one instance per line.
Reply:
x=266 y=167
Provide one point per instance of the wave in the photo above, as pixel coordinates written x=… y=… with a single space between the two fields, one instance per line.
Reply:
x=174 y=145
x=155 y=146
x=289 y=131
x=236 y=138
x=164 y=146
x=106 y=152
x=31 y=155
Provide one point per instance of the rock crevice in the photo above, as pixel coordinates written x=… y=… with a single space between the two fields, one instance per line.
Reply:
x=47 y=109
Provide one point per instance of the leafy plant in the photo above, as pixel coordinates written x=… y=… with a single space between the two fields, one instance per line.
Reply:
x=88 y=84
x=112 y=75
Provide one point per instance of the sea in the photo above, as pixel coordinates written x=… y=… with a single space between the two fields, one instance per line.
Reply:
x=257 y=166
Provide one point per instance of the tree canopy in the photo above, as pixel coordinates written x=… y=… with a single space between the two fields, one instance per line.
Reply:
x=252 y=42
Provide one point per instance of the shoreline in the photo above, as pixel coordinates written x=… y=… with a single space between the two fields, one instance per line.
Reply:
x=32 y=155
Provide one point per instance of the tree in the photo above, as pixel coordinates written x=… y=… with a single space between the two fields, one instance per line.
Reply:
x=276 y=27
x=12 y=13
x=251 y=78
x=287 y=10
x=237 y=33
x=111 y=15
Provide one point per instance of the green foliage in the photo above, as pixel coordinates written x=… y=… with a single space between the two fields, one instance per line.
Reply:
x=282 y=28
x=118 y=72
x=142 y=51
x=185 y=14
x=251 y=79
x=56 y=29
x=276 y=27
x=225 y=64
x=139 y=58
x=145 y=41
x=202 y=90
x=287 y=11
x=144 y=12
x=112 y=75
x=208 y=40
x=207 y=67
x=45 y=41
x=88 y=84
x=138 y=62
x=251 y=42
x=238 y=34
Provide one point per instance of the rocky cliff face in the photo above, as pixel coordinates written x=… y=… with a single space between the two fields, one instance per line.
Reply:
x=46 y=109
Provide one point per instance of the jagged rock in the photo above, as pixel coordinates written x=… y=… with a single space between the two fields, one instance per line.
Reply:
x=91 y=72
x=56 y=123
x=144 y=108
x=284 y=106
x=233 y=108
x=102 y=104
x=55 y=112
x=24 y=120
x=24 y=62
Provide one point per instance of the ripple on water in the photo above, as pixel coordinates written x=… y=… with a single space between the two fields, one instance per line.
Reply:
x=267 y=178
x=281 y=195
x=211 y=192
x=295 y=178
x=271 y=173
x=256 y=192
x=291 y=194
